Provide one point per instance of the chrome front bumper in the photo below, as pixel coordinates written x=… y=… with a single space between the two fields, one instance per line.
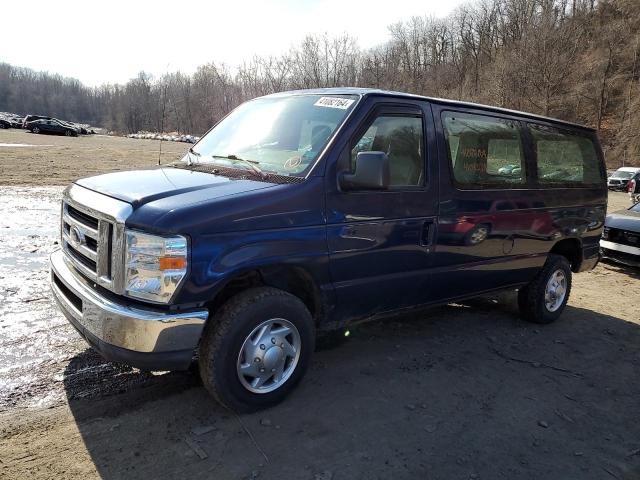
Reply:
x=619 y=247
x=145 y=338
x=620 y=253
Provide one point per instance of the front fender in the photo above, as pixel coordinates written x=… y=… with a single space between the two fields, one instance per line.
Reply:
x=216 y=259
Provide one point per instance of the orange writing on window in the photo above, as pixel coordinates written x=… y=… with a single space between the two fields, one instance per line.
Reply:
x=474 y=153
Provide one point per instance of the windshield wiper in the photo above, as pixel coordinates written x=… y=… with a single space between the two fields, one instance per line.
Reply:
x=252 y=164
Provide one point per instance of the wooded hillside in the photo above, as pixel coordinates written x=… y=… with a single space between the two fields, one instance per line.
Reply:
x=572 y=59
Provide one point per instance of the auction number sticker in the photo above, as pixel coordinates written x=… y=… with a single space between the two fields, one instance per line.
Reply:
x=333 y=102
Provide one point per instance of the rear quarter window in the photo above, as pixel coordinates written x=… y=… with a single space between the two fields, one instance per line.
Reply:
x=565 y=158
x=484 y=151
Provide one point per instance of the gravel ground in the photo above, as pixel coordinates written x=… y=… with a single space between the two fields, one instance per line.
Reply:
x=461 y=391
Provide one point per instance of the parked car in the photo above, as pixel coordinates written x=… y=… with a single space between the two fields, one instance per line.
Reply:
x=16 y=122
x=74 y=126
x=302 y=212
x=32 y=118
x=621 y=236
x=620 y=178
x=507 y=169
x=52 y=126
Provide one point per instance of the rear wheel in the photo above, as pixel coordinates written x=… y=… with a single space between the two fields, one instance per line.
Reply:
x=68 y=133
x=545 y=297
x=256 y=349
x=35 y=130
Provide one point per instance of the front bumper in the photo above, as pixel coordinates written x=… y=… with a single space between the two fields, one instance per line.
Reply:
x=621 y=253
x=141 y=337
x=617 y=185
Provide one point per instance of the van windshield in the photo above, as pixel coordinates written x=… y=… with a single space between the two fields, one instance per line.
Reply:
x=282 y=135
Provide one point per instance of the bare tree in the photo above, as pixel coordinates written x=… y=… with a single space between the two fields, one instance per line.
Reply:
x=576 y=59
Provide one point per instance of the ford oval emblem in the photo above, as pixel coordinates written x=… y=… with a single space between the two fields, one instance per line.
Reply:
x=77 y=236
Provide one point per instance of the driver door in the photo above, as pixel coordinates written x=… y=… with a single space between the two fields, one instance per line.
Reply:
x=380 y=242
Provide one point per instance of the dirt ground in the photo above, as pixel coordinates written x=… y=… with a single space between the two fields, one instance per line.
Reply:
x=56 y=160
x=456 y=392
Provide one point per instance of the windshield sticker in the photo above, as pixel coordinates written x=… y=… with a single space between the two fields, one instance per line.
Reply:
x=332 y=102
x=293 y=162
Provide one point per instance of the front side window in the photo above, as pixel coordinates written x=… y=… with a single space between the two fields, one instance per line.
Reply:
x=565 y=158
x=282 y=135
x=401 y=138
x=484 y=151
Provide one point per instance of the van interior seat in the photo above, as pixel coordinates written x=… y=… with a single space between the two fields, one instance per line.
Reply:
x=402 y=146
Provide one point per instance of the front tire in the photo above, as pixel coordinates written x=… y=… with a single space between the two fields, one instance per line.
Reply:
x=36 y=130
x=256 y=349
x=543 y=300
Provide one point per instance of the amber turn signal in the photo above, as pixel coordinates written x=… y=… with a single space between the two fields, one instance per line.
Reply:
x=173 y=263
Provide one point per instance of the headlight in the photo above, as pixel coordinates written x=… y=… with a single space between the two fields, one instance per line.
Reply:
x=155 y=266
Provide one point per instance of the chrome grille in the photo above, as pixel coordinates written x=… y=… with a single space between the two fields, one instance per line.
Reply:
x=93 y=235
x=86 y=240
x=624 y=237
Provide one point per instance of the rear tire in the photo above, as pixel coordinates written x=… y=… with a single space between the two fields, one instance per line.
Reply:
x=248 y=336
x=543 y=300
x=36 y=130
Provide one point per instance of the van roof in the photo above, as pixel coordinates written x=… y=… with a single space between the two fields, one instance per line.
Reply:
x=628 y=169
x=363 y=92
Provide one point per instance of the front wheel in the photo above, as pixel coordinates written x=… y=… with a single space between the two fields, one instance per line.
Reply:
x=545 y=297
x=256 y=349
x=36 y=130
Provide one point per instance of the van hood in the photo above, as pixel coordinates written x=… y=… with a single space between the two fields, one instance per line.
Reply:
x=140 y=187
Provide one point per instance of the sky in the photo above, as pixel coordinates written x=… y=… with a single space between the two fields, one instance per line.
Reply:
x=111 y=41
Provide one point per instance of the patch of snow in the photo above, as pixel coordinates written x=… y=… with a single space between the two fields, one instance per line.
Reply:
x=18 y=145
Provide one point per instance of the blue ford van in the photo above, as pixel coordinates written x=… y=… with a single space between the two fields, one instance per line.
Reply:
x=305 y=211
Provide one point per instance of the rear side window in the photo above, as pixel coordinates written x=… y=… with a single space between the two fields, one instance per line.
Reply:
x=565 y=158
x=484 y=151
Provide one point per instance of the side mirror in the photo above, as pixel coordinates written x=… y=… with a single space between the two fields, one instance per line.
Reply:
x=371 y=173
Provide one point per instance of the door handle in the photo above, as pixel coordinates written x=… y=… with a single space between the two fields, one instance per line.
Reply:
x=427 y=233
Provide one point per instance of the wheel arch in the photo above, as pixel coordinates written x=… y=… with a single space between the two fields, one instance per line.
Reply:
x=293 y=279
x=571 y=249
